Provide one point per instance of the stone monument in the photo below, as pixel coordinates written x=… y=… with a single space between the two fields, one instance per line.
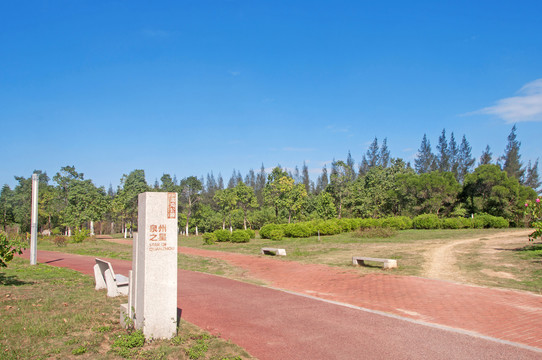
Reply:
x=152 y=298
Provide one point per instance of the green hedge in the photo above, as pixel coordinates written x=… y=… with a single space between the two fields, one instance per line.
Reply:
x=240 y=236
x=337 y=226
x=222 y=235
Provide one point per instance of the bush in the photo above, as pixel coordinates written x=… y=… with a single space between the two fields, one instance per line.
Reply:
x=490 y=221
x=426 y=221
x=369 y=223
x=298 y=230
x=80 y=235
x=500 y=223
x=397 y=222
x=59 y=241
x=265 y=231
x=328 y=227
x=240 y=236
x=222 y=235
x=452 y=223
x=276 y=234
x=8 y=248
x=209 y=238
x=251 y=233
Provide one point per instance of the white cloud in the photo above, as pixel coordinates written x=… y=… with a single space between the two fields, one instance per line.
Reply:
x=235 y=73
x=527 y=106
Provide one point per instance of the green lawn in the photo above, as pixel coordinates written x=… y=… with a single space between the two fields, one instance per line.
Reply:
x=55 y=313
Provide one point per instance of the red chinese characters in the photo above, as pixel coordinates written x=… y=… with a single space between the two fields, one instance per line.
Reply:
x=172 y=205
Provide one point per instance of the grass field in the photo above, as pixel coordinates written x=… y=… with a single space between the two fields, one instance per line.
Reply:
x=514 y=266
x=55 y=313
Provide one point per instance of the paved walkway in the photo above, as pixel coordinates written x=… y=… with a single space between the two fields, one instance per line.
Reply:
x=273 y=324
x=504 y=314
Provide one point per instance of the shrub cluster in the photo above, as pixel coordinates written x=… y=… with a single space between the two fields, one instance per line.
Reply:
x=237 y=236
x=337 y=226
x=429 y=221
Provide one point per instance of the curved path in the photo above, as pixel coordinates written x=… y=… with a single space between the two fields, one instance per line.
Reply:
x=273 y=324
x=441 y=261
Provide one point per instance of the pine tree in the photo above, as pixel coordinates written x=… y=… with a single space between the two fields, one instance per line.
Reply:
x=351 y=164
x=511 y=158
x=260 y=185
x=333 y=167
x=425 y=160
x=297 y=175
x=323 y=180
x=465 y=161
x=111 y=192
x=373 y=155
x=486 y=156
x=219 y=182
x=305 y=177
x=443 y=156
x=453 y=152
x=384 y=154
x=532 y=178
x=250 y=179
x=364 y=166
x=233 y=180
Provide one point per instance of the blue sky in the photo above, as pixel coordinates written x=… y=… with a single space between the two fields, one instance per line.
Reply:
x=190 y=87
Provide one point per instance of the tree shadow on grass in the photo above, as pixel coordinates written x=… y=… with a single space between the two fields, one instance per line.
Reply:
x=11 y=280
x=528 y=247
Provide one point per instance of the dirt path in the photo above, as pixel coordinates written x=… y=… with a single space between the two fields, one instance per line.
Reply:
x=441 y=259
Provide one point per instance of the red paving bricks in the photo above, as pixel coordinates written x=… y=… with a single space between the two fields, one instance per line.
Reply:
x=504 y=314
x=272 y=324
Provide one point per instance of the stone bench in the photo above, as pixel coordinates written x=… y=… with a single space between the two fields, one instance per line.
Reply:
x=106 y=279
x=387 y=263
x=273 y=251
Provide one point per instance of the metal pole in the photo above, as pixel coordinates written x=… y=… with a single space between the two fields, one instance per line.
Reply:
x=34 y=222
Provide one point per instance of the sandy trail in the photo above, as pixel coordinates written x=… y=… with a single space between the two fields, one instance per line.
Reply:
x=441 y=260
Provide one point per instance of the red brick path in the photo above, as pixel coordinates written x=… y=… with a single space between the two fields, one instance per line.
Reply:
x=504 y=314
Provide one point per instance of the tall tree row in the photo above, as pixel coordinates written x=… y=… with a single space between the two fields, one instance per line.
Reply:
x=445 y=183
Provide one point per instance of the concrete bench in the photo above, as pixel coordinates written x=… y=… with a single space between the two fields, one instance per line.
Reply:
x=387 y=263
x=106 y=279
x=273 y=251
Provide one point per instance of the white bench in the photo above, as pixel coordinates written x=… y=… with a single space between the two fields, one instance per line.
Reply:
x=106 y=279
x=273 y=251
x=387 y=263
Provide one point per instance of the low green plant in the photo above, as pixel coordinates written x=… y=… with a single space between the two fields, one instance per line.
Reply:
x=124 y=344
x=276 y=235
x=198 y=349
x=534 y=210
x=222 y=235
x=80 y=350
x=8 y=248
x=80 y=235
x=209 y=238
x=240 y=236
x=426 y=221
x=103 y=329
x=397 y=222
x=265 y=231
